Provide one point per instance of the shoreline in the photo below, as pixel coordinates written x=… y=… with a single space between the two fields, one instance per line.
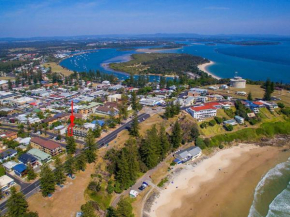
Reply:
x=203 y=67
x=147 y=50
x=208 y=188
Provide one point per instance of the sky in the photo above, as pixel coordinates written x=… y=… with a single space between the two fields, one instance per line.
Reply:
x=37 y=18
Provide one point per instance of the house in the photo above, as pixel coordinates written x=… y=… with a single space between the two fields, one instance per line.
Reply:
x=193 y=93
x=109 y=108
x=215 y=97
x=239 y=119
x=28 y=159
x=204 y=111
x=20 y=170
x=11 y=135
x=230 y=122
x=7 y=154
x=6 y=182
x=8 y=166
x=114 y=98
x=40 y=155
x=88 y=109
x=188 y=154
x=152 y=101
x=46 y=146
x=199 y=90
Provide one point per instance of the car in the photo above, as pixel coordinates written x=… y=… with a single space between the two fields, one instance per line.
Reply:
x=142 y=187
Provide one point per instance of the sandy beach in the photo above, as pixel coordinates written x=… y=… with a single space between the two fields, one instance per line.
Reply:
x=203 y=67
x=222 y=185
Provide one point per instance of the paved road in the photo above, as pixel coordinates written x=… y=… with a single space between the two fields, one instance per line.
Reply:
x=114 y=134
x=30 y=189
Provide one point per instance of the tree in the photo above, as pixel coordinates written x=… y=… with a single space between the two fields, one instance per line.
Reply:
x=194 y=132
x=47 y=180
x=122 y=171
x=134 y=129
x=97 y=131
x=90 y=147
x=164 y=143
x=269 y=89
x=88 y=210
x=70 y=145
x=81 y=161
x=135 y=104
x=132 y=158
x=176 y=136
x=59 y=175
x=69 y=165
x=124 y=209
x=150 y=148
x=250 y=96
x=9 y=85
x=31 y=175
x=16 y=204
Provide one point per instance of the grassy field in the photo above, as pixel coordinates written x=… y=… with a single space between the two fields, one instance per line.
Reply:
x=57 y=68
x=257 y=92
x=7 y=78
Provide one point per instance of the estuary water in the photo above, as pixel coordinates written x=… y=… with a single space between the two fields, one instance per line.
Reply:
x=252 y=62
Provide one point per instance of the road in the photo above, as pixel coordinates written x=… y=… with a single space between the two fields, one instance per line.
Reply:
x=30 y=189
x=114 y=134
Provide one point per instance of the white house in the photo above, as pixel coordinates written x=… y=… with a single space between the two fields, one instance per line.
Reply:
x=6 y=182
x=204 y=111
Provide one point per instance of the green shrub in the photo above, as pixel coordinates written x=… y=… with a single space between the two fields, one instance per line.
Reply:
x=218 y=120
x=229 y=127
x=212 y=123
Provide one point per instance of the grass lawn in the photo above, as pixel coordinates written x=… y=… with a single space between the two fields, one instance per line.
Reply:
x=65 y=201
x=7 y=78
x=57 y=68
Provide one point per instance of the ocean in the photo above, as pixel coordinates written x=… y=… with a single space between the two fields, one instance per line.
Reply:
x=251 y=62
x=272 y=194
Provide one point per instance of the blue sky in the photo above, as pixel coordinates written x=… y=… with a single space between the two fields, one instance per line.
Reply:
x=28 y=18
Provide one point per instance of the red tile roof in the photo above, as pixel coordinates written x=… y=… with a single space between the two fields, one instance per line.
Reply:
x=45 y=143
x=258 y=103
x=206 y=106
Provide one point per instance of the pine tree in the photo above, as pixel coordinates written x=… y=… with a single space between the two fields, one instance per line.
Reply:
x=250 y=96
x=97 y=131
x=31 y=175
x=135 y=104
x=134 y=129
x=88 y=210
x=69 y=165
x=9 y=85
x=81 y=161
x=16 y=204
x=150 y=148
x=47 y=182
x=165 y=145
x=59 y=172
x=176 y=136
x=90 y=147
x=70 y=145
x=122 y=171
x=132 y=158
x=124 y=209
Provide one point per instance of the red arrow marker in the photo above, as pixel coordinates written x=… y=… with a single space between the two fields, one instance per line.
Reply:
x=72 y=117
